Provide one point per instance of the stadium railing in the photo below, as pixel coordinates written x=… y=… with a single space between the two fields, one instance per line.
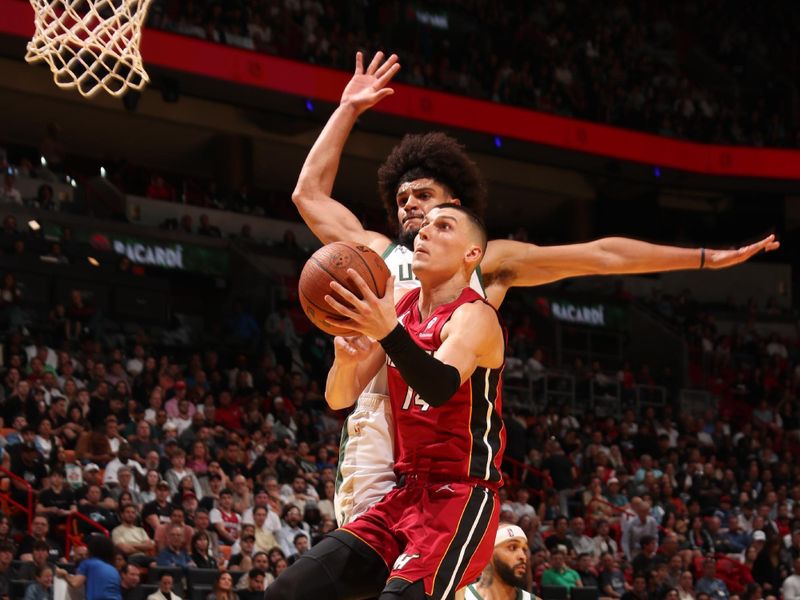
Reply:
x=6 y=496
x=73 y=536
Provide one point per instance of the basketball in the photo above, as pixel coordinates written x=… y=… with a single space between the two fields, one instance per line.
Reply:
x=330 y=263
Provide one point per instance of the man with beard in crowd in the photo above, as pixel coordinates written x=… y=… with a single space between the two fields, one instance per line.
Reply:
x=505 y=577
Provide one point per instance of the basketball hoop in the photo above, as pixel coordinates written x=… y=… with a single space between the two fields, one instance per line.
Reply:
x=90 y=45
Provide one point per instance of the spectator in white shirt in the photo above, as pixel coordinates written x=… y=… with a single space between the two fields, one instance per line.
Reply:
x=10 y=193
x=791 y=585
x=124 y=459
x=521 y=507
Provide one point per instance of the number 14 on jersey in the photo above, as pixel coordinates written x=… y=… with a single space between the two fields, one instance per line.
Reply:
x=413 y=397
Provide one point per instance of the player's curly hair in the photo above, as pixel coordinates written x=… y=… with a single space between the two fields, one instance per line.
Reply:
x=436 y=156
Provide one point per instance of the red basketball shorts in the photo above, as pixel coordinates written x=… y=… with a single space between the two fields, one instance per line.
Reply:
x=441 y=533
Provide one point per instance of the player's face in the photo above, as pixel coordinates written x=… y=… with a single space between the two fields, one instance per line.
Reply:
x=414 y=200
x=443 y=242
x=511 y=562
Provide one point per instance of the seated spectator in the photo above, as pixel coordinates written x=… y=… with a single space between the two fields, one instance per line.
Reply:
x=57 y=501
x=223 y=588
x=768 y=567
x=95 y=511
x=9 y=192
x=735 y=540
x=613 y=495
x=686 y=586
x=94 y=446
x=165 y=583
x=581 y=543
x=612 y=581
x=207 y=229
x=709 y=584
x=201 y=554
x=243 y=559
x=293 y=524
x=791 y=585
x=124 y=458
x=174 y=555
x=560 y=535
x=202 y=524
x=242 y=497
x=6 y=571
x=586 y=572
x=265 y=539
x=272 y=522
x=40 y=529
x=42 y=587
x=131 y=539
x=602 y=541
x=559 y=574
x=520 y=506
x=639 y=589
x=126 y=485
x=647 y=557
x=256 y=585
x=301 y=545
x=225 y=521
x=40 y=557
x=176 y=519
x=158 y=511
x=130 y=578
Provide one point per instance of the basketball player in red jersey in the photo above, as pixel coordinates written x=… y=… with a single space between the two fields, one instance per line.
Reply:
x=444 y=347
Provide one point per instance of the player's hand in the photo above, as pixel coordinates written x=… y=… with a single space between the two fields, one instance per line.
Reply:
x=371 y=316
x=352 y=349
x=721 y=259
x=367 y=88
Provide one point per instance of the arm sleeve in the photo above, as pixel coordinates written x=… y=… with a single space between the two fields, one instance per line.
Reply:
x=433 y=380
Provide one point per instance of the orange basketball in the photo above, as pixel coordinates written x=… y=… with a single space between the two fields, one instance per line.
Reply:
x=330 y=263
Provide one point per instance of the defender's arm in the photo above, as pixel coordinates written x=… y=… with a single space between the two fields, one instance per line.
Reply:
x=330 y=220
x=516 y=264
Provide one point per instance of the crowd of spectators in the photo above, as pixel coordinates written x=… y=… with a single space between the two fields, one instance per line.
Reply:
x=236 y=448
x=666 y=503
x=697 y=70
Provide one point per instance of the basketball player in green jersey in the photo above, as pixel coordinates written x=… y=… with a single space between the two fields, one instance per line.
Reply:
x=421 y=173
x=505 y=577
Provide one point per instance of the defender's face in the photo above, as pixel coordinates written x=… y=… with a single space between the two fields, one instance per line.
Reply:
x=414 y=200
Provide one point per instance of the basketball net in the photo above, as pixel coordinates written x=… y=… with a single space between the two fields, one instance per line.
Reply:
x=90 y=45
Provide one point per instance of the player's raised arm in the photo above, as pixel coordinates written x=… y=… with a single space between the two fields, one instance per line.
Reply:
x=330 y=220
x=516 y=264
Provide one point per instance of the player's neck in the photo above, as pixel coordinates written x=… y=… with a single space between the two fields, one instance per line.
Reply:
x=436 y=292
x=496 y=589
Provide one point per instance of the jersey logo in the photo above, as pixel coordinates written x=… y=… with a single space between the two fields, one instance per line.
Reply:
x=426 y=333
x=404 y=272
x=403 y=560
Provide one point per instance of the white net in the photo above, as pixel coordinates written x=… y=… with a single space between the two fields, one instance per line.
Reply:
x=90 y=45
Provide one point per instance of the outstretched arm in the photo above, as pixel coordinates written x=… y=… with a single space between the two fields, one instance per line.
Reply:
x=516 y=264
x=328 y=219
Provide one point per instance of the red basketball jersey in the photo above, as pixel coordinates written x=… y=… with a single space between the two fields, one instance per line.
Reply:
x=464 y=438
